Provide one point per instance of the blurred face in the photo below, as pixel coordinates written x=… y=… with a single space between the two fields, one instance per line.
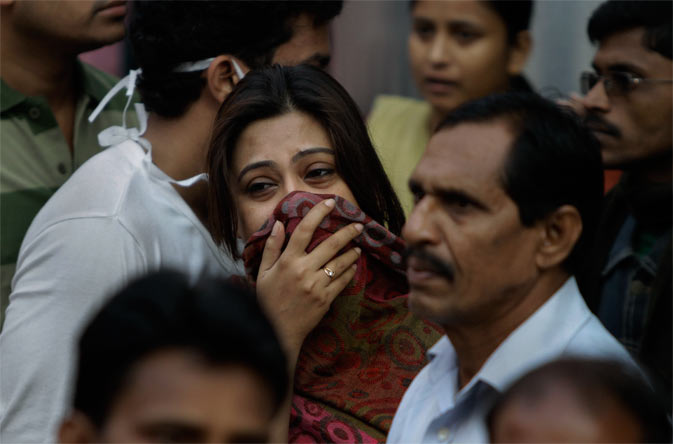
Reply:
x=458 y=52
x=309 y=44
x=472 y=258
x=277 y=156
x=173 y=396
x=76 y=25
x=634 y=126
x=555 y=413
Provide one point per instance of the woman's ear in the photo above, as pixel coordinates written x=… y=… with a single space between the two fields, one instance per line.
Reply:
x=561 y=230
x=222 y=77
x=77 y=428
x=519 y=50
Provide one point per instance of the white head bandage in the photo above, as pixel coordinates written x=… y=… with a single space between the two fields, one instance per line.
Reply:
x=200 y=65
x=117 y=134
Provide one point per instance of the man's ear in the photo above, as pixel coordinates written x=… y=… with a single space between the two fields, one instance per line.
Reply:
x=519 y=50
x=221 y=77
x=560 y=230
x=77 y=428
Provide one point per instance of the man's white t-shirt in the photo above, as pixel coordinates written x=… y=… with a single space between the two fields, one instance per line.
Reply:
x=116 y=218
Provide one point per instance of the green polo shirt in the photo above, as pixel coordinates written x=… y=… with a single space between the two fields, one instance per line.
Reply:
x=35 y=159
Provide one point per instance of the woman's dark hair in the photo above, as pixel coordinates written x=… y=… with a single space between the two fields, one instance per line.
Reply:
x=278 y=90
x=217 y=321
x=164 y=34
x=515 y=14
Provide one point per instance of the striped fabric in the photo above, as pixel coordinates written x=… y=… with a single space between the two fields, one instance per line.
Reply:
x=35 y=159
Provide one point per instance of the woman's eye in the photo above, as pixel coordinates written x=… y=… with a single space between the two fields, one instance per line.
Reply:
x=465 y=35
x=259 y=187
x=318 y=173
x=424 y=30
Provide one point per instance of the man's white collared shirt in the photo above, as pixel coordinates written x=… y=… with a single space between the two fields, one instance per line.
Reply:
x=433 y=410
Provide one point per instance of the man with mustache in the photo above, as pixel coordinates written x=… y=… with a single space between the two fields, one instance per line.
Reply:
x=506 y=195
x=46 y=96
x=628 y=105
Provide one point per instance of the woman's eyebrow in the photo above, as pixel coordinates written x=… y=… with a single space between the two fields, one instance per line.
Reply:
x=307 y=151
x=255 y=165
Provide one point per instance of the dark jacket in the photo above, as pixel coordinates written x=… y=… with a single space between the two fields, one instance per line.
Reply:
x=649 y=208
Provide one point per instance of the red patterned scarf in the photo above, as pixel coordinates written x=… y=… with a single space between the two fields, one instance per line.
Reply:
x=356 y=364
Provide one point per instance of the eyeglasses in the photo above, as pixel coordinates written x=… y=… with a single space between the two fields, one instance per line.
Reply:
x=615 y=83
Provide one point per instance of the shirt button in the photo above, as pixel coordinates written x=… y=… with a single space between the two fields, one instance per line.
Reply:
x=62 y=169
x=443 y=434
x=34 y=112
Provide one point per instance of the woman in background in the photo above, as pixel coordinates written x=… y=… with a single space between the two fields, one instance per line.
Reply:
x=293 y=172
x=459 y=51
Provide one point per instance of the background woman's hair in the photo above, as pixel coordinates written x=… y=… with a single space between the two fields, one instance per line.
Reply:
x=278 y=90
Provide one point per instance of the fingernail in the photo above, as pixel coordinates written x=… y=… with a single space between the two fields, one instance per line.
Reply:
x=358 y=250
x=276 y=228
x=354 y=267
x=359 y=227
x=330 y=203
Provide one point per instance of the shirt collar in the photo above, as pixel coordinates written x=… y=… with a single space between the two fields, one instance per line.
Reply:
x=91 y=85
x=539 y=338
x=10 y=97
x=543 y=335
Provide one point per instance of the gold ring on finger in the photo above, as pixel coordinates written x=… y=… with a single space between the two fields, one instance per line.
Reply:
x=329 y=272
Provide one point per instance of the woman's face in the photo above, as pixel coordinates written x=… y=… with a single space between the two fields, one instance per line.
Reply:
x=458 y=52
x=276 y=156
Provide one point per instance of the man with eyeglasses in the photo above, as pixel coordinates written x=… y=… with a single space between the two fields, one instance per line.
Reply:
x=627 y=103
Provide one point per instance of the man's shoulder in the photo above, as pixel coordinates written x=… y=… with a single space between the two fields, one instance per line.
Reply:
x=95 y=190
x=595 y=341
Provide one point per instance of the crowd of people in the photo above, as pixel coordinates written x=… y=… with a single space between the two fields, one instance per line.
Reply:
x=240 y=256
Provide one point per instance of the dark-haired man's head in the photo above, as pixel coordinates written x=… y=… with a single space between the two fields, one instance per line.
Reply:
x=579 y=400
x=167 y=34
x=507 y=192
x=629 y=99
x=168 y=361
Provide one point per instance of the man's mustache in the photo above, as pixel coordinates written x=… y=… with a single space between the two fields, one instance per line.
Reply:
x=595 y=123
x=430 y=261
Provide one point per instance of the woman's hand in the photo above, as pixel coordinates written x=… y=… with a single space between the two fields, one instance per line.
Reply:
x=293 y=287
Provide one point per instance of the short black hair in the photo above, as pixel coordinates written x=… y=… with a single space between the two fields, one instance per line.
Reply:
x=596 y=381
x=278 y=90
x=165 y=34
x=516 y=14
x=622 y=15
x=554 y=160
x=219 y=321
